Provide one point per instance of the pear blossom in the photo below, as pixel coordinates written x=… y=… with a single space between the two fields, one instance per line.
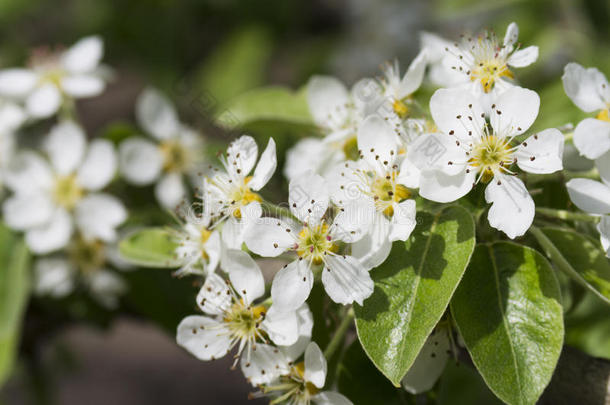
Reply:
x=485 y=63
x=476 y=144
x=303 y=383
x=87 y=261
x=376 y=191
x=53 y=79
x=438 y=74
x=316 y=243
x=11 y=118
x=176 y=152
x=232 y=318
x=589 y=90
x=232 y=194
x=52 y=197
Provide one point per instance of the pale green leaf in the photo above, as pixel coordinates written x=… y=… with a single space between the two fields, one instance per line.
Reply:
x=150 y=247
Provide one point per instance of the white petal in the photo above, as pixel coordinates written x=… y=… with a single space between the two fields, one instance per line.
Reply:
x=84 y=56
x=414 y=75
x=241 y=155
x=315 y=365
x=403 y=221
x=346 y=280
x=156 y=114
x=457 y=112
x=99 y=166
x=170 y=190
x=542 y=153
x=265 y=168
x=589 y=195
x=585 y=87
x=429 y=364
x=378 y=142
x=603 y=167
x=592 y=137
x=54 y=277
x=281 y=326
x=436 y=151
x=345 y=183
x=140 y=161
x=53 y=235
x=28 y=173
x=234 y=230
x=17 y=82
x=353 y=221
x=98 y=215
x=65 y=146
x=515 y=111
x=409 y=174
x=214 y=297
x=523 y=57
x=439 y=187
x=308 y=197
x=11 y=117
x=80 y=86
x=327 y=98
x=269 y=237
x=213 y=248
x=44 y=101
x=27 y=211
x=512 y=210
x=331 y=398
x=106 y=286
x=266 y=363
x=604 y=233
x=309 y=154
x=305 y=320
x=374 y=248
x=203 y=337
x=291 y=286
x=244 y=273
x=512 y=34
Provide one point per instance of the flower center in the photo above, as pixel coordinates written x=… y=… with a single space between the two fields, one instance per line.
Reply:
x=243 y=196
x=603 y=114
x=87 y=255
x=314 y=243
x=176 y=158
x=400 y=108
x=488 y=71
x=292 y=388
x=386 y=192
x=350 y=148
x=67 y=192
x=243 y=322
x=491 y=155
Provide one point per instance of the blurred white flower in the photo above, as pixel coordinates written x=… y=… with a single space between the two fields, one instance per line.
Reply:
x=176 y=152
x=56 y=78
x=52 y=196
x=11 y=118
x=315 y=242
x=475 y=143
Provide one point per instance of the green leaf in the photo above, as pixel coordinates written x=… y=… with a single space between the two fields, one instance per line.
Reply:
x=588 y=327
x=581 y=257
x=266 y=104
x=150 y=247
x=413 y=288
x=508 y=311
x=14 y=291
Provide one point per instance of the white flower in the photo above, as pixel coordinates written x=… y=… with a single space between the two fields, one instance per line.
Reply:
x=593 y=197
x=438 y=74
x=232 y=319
x=589 y=90
x=49 y=199
x=337 y=112
x=86 y=261
x=176 y=152
x=11 y=118
x=475 y=143
x=315 y=242
x=485 y=62
x=375 y=191
x=231 y=193
x=303 y=383
x=56 y=78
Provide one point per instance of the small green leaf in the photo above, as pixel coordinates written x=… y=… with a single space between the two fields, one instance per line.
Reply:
x=588 y=327
x=508 y=311
x=585 y=261
x=150 y=247
x=266 y=104
x=413 y=289
x=14 y=292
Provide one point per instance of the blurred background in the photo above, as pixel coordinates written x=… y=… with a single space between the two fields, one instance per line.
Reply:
x=204 y=54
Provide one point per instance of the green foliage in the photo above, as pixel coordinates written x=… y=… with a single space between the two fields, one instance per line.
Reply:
x=14 y=292
x=588 y=327
x=150 y=247
x=508 y=311
x=413 y=289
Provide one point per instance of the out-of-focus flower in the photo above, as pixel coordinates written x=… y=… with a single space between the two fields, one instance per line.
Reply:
x=315 y=242
x=473 y=149
x=176 y=153
x=11 y=118
x=51 y=197
x=53 y=79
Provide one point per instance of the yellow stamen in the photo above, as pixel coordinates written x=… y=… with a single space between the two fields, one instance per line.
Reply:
x=67 y=191
x=603 y=115
x=386 y=191
x=488 y=72
x=315 y=242
x=244 y=196
x=400 y=108
x=491 y=155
